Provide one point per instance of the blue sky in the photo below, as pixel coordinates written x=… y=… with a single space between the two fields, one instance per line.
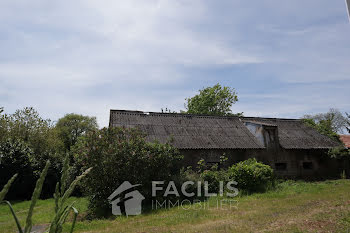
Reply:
x=284 y=58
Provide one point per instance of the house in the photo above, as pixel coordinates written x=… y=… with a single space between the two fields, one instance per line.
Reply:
x=287 y=145
x=346 y=140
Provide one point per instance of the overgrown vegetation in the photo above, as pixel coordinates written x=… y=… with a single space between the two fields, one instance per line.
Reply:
x=294 y=206
x=251 y=176
x=62 y=193
x=16 y=157
x=331 y=124
x=27 y=141
x=62 y=209
x=35 y=197
x=118 y=155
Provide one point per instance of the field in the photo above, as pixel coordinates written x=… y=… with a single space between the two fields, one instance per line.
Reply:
x=293 y=207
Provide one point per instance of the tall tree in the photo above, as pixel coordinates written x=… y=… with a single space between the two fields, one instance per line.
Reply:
x=336 y=119
x=72 y=126
x=28 y=128
x=348 y=122
x=216 y=100
x=27 y=125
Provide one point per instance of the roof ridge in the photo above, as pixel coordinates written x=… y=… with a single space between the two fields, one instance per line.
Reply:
x=198 y=115
x=170 y=114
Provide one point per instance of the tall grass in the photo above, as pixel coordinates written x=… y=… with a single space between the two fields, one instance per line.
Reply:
x=35 y=197
x=62 y=209
x=6 y=188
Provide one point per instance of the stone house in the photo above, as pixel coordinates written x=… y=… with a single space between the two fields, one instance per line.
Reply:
x=289 y=146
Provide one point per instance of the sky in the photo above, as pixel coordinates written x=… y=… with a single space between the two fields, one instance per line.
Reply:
x=284 y=58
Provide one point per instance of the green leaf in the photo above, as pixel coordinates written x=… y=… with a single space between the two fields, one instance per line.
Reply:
x=7 y=187
x=35 y=197
x=64 y=174
x=74 y=218
x=15 y=217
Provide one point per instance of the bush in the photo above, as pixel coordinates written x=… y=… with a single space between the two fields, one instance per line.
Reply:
x=16 y=157
x=213 y=178
x=118 y=155
x=252 y=176
x=38 y=136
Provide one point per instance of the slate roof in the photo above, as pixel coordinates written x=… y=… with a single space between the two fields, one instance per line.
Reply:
x=215 y=132
x=189 y=131
x=294 y=134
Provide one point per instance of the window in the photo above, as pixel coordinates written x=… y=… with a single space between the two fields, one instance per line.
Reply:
x=281 y=166
x=307 y=165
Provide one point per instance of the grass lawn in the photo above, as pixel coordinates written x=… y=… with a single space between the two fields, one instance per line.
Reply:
x=293 y=207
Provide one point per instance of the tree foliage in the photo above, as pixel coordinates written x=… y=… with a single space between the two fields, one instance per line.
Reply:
x=348 y=122
x=330 y=124
x=16 y=157
x=27 y=125
x=323 y=127
x=39 y=134
x=334 y=118
x=339 y=152
x=118 y=155
x=216 y=100
x=72 y=126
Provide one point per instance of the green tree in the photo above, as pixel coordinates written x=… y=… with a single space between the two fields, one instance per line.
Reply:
x=333 y=117
x=3 y=129
x=72 y=126
x=216 y=100
x=348 y=122
x=329 y=124
x=323 y=127
x=27 y=126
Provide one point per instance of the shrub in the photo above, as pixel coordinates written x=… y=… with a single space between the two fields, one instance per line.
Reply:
x=39 y=136
x=118 y=155
x=189 y=175
x=252 y=176
x=213 y=178
x=16 y=158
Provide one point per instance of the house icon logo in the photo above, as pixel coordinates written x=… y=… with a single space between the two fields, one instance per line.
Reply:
x=126 y=200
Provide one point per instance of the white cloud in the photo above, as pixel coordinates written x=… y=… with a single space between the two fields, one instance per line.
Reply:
x=88 y=56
